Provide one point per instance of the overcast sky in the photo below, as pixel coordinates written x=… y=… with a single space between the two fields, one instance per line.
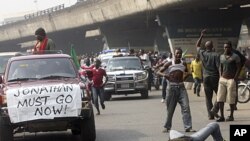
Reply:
x=13 y=8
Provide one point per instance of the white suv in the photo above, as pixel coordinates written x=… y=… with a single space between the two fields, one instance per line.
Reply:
x=126 y=75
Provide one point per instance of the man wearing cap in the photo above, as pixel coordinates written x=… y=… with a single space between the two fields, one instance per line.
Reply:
x=43 y=42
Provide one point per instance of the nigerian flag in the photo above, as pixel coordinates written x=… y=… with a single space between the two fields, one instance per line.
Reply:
x=74 y=57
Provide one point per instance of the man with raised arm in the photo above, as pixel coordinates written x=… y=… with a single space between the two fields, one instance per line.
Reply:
x=210 y=64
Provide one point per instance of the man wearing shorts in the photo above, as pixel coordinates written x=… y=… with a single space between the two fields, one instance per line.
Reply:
x=229 y=71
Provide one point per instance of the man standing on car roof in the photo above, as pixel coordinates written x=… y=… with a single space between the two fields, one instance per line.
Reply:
x=43 y=42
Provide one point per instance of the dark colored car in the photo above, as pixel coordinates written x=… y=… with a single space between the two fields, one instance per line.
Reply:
x=41 y=93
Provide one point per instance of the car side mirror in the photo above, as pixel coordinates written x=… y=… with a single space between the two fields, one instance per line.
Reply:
x=146 y=67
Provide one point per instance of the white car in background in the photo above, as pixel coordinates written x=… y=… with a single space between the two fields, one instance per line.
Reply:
x=108 y=54
x=4 y=57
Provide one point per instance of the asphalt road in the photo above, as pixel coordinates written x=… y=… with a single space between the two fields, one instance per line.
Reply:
x=130 y=118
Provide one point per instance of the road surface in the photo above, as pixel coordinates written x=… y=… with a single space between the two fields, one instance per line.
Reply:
x=130 y=118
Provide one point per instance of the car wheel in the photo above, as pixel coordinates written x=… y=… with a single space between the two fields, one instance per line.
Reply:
x=6 y=131
x=144 y=94
x=88 y=132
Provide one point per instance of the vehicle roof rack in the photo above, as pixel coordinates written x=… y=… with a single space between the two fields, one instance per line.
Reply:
x=20 y=53
x=48 y=52
x=39 y=52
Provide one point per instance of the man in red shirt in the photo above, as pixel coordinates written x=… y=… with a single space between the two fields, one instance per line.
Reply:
x=43 y=42
x=98 y=85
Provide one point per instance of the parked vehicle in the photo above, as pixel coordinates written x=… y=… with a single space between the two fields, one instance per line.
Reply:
x=244 y=90
x=4 y=57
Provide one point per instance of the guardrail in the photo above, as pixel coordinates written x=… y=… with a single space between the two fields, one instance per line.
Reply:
x=44 y=12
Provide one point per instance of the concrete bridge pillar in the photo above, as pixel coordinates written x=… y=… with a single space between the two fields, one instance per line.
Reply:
x=244 y=40
x=183 y=28
x=134 y=31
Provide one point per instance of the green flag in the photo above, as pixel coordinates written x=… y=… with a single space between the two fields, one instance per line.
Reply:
x=184 y=53
x=74 y=56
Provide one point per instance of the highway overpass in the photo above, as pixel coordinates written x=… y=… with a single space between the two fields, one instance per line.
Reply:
x=131 y=23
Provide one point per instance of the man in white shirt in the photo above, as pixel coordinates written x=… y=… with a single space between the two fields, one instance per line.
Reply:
x=146 y=62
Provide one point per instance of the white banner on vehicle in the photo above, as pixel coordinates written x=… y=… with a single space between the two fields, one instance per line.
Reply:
x=44 y=102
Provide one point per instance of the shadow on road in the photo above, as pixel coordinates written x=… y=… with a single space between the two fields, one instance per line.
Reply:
x=119 y=135
x=133 y=97
x=47 y=136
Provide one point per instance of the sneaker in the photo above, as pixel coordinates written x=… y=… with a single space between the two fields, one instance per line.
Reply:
x=220 y=119
x=165 y=130
x=103 y=106
x=230 y=118
x=162 y=100
x=190 y=130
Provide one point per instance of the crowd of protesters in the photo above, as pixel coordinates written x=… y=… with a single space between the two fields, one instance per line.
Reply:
x=208 y=68
x=218 y=73
x=93 y=64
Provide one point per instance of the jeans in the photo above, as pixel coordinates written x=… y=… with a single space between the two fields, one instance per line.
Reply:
x=178 y=93
x=212 y=129
x=211 y=85
x=98 y=92
x=150 y=78
x=197 y=85
x=164 y=87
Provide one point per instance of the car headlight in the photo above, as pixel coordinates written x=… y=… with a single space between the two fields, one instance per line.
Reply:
x=111 y=78
x=140 y=76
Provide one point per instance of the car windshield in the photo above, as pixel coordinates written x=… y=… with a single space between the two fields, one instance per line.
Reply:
x=124 y=64
x=41 y=69
x=3 y=62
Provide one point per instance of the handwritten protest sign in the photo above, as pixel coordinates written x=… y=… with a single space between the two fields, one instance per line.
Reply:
x=44 y=102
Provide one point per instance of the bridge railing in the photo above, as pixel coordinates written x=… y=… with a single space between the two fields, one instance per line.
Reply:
x=44 y=12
